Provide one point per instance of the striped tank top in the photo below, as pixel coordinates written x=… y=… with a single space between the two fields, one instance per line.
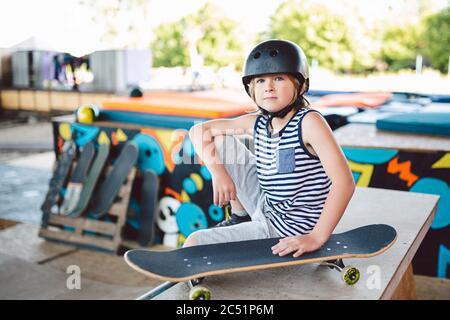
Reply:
x=294 y=180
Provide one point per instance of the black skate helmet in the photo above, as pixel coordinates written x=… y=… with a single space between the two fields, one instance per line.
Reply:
x=276 y=56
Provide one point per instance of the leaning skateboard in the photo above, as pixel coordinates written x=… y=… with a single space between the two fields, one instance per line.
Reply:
x=77 y=179
x=149 y=207
x=57 y=181
x=115 y=179
x=91 y=180
x=191 y=264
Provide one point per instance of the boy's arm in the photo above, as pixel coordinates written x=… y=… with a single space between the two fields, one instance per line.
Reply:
x=319 y=135
x=202 y=137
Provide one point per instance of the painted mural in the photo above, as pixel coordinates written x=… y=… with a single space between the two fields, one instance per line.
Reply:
x=415 y=172
x=185 y=193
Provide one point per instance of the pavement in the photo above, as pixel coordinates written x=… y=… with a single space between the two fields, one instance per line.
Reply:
x=26 y=161
x=31 y=267
x=32 y=136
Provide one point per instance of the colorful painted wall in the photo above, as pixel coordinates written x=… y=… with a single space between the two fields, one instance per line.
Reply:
x=415 y=172
x=185 y=203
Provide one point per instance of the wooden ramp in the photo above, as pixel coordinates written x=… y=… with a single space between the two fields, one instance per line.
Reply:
x=409 y=213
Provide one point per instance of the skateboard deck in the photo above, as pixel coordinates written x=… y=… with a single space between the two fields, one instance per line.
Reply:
x=58 y=179
x=77 y=179
x=91 y=180
x=149 y=203
x=191 y=263
x=115 y=179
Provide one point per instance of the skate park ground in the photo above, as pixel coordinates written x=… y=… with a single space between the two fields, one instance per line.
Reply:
x=33 y=268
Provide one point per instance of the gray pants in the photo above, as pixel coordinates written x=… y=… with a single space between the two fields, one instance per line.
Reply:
x=241 y=166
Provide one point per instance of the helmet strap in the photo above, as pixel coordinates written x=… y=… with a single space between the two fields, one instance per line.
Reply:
x=283 y=112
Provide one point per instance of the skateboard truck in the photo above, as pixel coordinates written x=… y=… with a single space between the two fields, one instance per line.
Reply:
x=349 y=274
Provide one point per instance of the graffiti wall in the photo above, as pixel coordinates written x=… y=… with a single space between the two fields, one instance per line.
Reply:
x=424 y=172
x=185 y=193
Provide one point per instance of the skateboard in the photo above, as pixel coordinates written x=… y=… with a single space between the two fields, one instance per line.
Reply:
x=149 y=207
x=115 y=179
x=57 y=180
x=77 y=179
x=91 y=180
x=192 y=264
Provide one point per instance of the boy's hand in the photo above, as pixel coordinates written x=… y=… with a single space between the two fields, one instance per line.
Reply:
x=224 y=188
x=297 y=244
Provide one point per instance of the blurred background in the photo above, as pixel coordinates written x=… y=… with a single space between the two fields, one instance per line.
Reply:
x=392 y=45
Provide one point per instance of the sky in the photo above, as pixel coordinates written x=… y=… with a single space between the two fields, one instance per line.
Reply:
x=62 y=24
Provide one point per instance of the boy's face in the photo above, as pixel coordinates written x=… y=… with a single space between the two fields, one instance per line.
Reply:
x=273 y=92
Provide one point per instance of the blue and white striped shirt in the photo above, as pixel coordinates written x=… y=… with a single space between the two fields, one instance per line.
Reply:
x=294 y=180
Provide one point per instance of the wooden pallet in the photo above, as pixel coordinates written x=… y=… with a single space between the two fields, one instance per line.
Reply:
x=105 y=235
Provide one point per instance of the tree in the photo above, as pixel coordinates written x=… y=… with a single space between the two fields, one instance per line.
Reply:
x=401 y=45
x=322 y=35
x=219 y=44
x=436 y=38
x=168 y=48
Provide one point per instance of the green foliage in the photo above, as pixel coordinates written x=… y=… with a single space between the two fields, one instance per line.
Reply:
x=322 y=35
x=169 y=49
x=346 y=43
x=400 y=46
x=436 y=38
x=217 y=44
x=328 y=38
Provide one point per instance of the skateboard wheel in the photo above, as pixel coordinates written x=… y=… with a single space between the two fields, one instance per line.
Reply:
x=350 y=275
x=199 y=293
